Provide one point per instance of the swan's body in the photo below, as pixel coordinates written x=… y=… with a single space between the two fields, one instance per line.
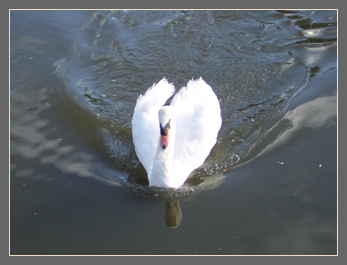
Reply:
x=172 y=141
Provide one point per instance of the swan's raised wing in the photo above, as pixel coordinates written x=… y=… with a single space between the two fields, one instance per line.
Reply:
x=198 y=122
x=145 y=122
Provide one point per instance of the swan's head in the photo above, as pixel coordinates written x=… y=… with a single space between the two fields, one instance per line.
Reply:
x=166 y=117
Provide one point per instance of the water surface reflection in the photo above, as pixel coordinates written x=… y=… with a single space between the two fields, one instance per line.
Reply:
x=75 y=78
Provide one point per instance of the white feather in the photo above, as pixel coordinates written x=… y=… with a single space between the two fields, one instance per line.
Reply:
x=198 y=122
x=145 y=122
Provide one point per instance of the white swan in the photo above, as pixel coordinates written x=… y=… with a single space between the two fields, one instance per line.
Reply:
x=172 y=141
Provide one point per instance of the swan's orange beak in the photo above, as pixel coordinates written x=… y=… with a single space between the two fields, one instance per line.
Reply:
x=164 y=139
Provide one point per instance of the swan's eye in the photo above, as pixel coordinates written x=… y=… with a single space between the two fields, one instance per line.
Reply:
x=163 y=129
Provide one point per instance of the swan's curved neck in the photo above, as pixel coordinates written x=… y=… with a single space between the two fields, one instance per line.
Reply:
x=163 y=161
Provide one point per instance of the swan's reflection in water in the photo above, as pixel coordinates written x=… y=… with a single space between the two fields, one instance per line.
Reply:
x=171 y=197
x=173 y=214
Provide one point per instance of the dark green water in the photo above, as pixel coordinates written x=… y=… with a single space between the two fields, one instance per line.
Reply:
x=269 y=185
